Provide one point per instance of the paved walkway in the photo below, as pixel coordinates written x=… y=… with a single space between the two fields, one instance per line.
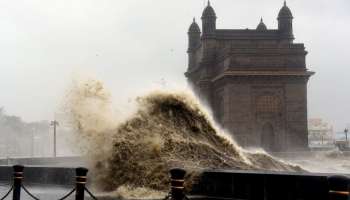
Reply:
x=42 y=192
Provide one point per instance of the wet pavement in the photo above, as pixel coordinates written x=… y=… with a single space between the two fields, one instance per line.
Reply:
x=40 y=191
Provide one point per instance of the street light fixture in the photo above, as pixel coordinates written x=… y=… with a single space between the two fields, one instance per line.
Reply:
x=54 y=123
x=33 y=141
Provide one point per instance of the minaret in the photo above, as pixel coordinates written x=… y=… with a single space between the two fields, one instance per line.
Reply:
x=194 y=39
x=208 y=21
x=285 y=22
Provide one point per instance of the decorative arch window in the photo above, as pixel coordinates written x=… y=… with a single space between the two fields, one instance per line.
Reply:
x=268 y=104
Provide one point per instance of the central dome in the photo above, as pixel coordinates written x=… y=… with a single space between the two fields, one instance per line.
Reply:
x=261 y=26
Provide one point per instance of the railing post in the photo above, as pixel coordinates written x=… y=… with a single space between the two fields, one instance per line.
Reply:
x=80 y=182
x=177 y=183
x=17 y=181
x=339 y=187
x=348 y=190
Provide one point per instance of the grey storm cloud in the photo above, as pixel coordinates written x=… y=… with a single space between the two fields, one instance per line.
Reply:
x=132 y=44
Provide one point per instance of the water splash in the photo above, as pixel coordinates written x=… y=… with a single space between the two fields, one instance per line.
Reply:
x=169 y=129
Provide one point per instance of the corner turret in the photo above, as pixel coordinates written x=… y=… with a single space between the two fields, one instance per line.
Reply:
x=194 y=36
x=208 y=21
x=194 y=41
x=285 y=22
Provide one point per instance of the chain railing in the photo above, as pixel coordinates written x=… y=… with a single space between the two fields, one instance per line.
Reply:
x=79 y=189
x=10 y=190
x=339 y=186
x=176 y=190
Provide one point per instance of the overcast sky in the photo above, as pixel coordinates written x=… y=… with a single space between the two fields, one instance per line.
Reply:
x=134 y=44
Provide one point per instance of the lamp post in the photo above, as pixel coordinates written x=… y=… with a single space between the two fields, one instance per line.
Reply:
x=54 y=123
x=34 y=129
x=346 y=134
x=32 y=147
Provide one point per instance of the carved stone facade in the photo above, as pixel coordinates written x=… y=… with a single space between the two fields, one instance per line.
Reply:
x=255 y=81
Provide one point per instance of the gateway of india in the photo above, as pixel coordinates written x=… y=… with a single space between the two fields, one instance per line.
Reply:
x=254 y=80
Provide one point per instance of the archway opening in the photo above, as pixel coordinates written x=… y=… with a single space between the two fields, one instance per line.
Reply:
x=268 y=138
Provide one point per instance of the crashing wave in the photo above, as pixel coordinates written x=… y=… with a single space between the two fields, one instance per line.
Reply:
x=169 y=129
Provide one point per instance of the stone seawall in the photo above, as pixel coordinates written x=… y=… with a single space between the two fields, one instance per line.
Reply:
x=41 y=175
x=250 y=185
x=72 y=162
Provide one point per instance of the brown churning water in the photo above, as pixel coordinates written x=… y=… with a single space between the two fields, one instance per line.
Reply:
x=168 y=129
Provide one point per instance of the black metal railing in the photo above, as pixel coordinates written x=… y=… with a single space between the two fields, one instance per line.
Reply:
x=176 y=192
x=338 y=186
x=177 y=180
x=79 y=189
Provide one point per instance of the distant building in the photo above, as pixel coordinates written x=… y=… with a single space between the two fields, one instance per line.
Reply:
x=255 y=80
x=340 y=135
x=320 y=133
x=342 y=139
